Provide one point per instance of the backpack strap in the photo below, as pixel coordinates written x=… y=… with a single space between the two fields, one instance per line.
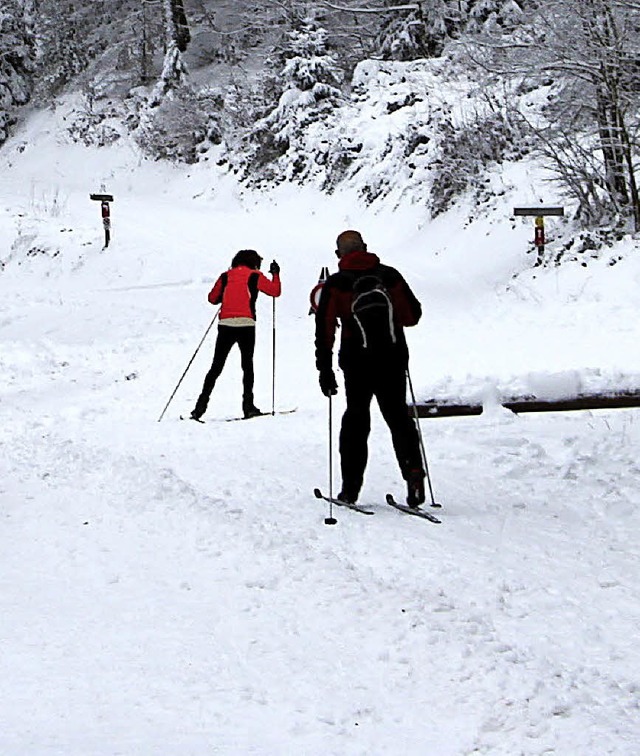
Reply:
x=372 y=310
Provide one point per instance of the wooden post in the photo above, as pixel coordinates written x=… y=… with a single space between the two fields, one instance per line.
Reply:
x=105 y=210
x=538 y=213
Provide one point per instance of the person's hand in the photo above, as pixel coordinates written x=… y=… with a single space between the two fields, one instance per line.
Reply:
x=328 y=384
x=274 y=268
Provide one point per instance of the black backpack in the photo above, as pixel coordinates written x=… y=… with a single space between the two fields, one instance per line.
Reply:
x=372 y=312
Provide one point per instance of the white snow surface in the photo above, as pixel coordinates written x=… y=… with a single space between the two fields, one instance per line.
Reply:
x=171 y=588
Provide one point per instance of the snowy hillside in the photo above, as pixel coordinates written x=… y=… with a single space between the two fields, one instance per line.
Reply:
x=171 y=587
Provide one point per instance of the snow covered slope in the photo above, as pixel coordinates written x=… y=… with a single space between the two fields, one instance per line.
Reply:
x=171 y=588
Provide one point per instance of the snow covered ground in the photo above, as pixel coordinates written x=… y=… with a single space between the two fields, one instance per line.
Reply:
x=171 y=588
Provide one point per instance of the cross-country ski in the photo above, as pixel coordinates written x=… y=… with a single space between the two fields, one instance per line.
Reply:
x=235 y=419
x=261 y=414
x=415 y=511
x=340 y=503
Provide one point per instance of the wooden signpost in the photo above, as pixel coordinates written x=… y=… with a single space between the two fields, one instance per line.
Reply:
x=104 y=200
x=538 y=213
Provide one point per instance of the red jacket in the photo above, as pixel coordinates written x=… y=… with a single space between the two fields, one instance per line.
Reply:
x=237 y=289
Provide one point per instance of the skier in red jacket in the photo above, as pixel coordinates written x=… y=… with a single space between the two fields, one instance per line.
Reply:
x=236 y=290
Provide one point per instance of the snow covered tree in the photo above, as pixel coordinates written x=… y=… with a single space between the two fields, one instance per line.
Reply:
x=176 y=119
x=16 y=60
x=67 y=41
x=590 y=52
x=423 y=31
x=308 y=63
x=177 y=36
x=143 y=39
x=310 y=79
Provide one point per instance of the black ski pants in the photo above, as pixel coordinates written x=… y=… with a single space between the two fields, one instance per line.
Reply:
x=245 y=338
x=387 y=381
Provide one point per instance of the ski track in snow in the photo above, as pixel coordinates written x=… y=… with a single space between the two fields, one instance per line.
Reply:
x=187 y=582
x=171 y=588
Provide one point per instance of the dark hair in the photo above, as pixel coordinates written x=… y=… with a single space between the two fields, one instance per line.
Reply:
x=350 y=241
x=248 y=257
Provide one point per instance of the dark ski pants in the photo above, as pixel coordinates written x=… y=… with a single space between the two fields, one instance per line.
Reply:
x=388 y=383
x=245 y=338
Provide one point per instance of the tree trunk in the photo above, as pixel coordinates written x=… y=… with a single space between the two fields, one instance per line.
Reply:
x=183 y=35
x=633 y=184
x=612 y=151
x=603 y=36
x=176 y=25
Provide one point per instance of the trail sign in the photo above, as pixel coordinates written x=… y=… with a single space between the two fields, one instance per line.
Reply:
x=104 y=200
x=539 y=214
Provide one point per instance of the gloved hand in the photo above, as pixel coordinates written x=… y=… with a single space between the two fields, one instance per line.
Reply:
x=328 y=384
x=274 y=268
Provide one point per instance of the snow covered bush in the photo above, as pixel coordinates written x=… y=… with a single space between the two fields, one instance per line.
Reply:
x=585 y=246
x=180 y=126
x=467 y=149
x=97 y=122
x=407 y=135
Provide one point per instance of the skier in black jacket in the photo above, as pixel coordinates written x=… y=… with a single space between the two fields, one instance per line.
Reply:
x=373 y=357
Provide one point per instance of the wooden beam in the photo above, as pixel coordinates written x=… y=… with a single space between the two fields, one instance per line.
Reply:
x=583 y=402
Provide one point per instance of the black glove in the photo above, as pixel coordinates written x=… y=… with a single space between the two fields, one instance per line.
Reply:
x=274 y=268
x=328 y=384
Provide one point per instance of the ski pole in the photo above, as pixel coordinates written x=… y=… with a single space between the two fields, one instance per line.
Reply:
x=330 y=520
x=422 y=449
x=189 y=365
x=273 y=362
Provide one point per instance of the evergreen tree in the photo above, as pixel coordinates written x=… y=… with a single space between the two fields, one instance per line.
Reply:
x=16 y=61
x=66 y=41
x=310 y=78
x=423 y=31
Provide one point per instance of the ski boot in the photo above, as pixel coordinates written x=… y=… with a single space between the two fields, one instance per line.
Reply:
x=415 y=488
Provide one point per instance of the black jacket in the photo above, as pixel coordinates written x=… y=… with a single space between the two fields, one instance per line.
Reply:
x=335 y=307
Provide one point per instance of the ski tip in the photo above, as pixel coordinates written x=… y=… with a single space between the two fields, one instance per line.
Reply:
x=390 y=499
x=317 y=493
